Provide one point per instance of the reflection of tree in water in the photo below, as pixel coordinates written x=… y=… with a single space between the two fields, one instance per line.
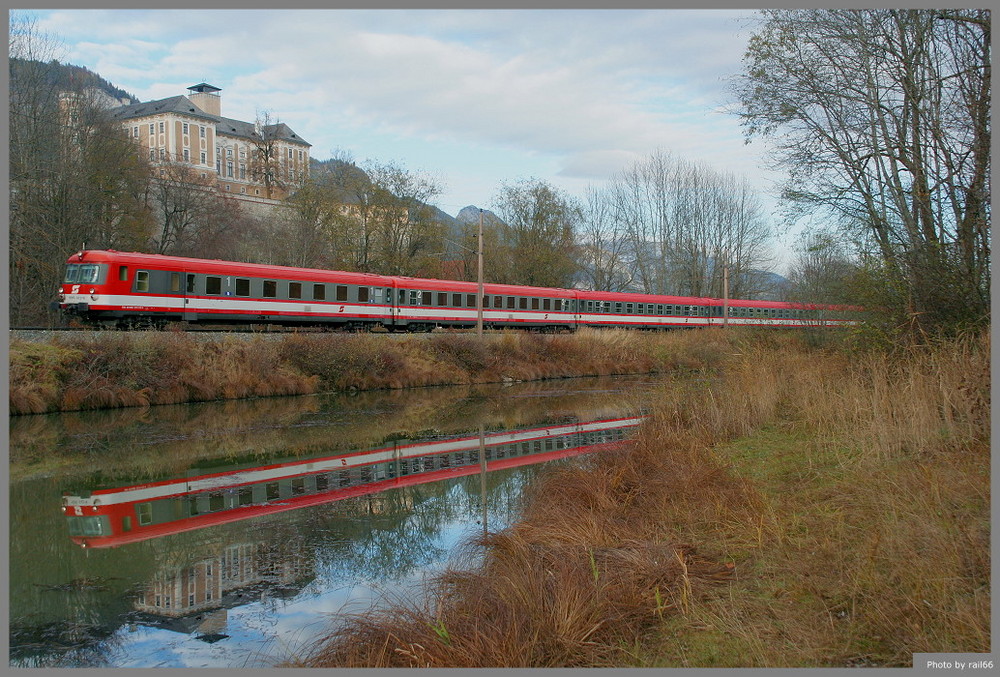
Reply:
x=145 y=443
x=390 y=535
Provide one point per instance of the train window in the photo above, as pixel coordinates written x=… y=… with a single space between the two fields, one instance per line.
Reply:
x=123 y=273
x=190 y=283
x=216 y=502
x=498 y=302
x=442 y=298
x=470 y=300
x=245 y=495
x=618 y=307
x=628 y=308
x=271 y=491
x=83 y=273
x=425 y=298
x=546 y=304
x=558 y=305
x=322 y=482
x=127 y=523
x=294 y=290
x=534 y=304
x=522 y=303
x=456 y=300
x=213 y=285
x=362 y=294
x=145 y=513
x=175 y=282
x=270 y=289
x=242 y=286
x=510 y=303
x=298 y=485
x=142 y=280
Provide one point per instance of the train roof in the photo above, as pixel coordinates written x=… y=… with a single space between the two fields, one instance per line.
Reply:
x=183 y=264
x=488 y=287
x=693 y=300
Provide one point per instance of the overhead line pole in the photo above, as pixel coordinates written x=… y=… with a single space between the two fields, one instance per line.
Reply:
x=479 y=296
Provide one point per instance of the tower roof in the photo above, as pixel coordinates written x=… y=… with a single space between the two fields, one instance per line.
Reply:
x=204 y=87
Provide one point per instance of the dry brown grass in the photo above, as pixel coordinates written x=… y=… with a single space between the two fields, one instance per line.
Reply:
x=146 y=368
x=845 y=496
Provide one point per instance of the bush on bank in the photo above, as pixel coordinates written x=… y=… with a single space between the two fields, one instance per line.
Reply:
x=130 y=369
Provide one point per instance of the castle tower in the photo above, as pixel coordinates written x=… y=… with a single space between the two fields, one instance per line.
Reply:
x=207 y=98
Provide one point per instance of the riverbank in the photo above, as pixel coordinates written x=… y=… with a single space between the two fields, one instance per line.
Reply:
x=135 y=369
x=809 y=507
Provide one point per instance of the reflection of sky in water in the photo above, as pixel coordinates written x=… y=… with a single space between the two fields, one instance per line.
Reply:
x=261 y=634
x=352 y=551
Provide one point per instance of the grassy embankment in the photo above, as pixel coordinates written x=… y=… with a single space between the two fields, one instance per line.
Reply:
x=144 y=368
x=813 y=507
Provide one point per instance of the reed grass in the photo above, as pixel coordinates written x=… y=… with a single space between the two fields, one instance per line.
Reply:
x=808 y=507
x=139 y=369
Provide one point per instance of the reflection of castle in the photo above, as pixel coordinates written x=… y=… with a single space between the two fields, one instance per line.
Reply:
x=195 y=598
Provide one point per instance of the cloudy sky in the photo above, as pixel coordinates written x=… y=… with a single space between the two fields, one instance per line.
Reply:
x=473 y=98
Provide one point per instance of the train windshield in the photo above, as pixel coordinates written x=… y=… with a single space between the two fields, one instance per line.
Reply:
x=97 y=525
x=84 y=273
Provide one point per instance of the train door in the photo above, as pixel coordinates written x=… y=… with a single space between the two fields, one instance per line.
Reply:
x=392 y=308
x=188 y=281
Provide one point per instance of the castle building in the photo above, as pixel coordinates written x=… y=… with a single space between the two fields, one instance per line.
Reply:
x=245 y=159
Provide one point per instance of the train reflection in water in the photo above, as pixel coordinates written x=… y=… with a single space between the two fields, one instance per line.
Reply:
x=116 y=516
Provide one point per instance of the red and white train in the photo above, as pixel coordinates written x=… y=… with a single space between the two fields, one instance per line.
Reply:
x=122 y=289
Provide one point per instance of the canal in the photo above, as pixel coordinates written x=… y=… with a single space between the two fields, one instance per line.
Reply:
x=231 y=534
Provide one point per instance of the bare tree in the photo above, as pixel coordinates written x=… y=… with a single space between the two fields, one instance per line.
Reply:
x=184 y=204
x=537 y=235
x=398 y=214
x=75 y=175
x=603 y=245
x=881 y=119
x=265 y=154
x=683 y=222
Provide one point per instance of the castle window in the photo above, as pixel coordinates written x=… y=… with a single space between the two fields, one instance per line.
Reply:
x=201 y=131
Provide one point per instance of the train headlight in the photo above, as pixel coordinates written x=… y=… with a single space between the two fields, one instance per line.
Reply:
x=92 y=290
x=61 y=297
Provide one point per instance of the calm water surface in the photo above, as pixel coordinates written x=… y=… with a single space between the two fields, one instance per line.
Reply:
x=233 y=534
